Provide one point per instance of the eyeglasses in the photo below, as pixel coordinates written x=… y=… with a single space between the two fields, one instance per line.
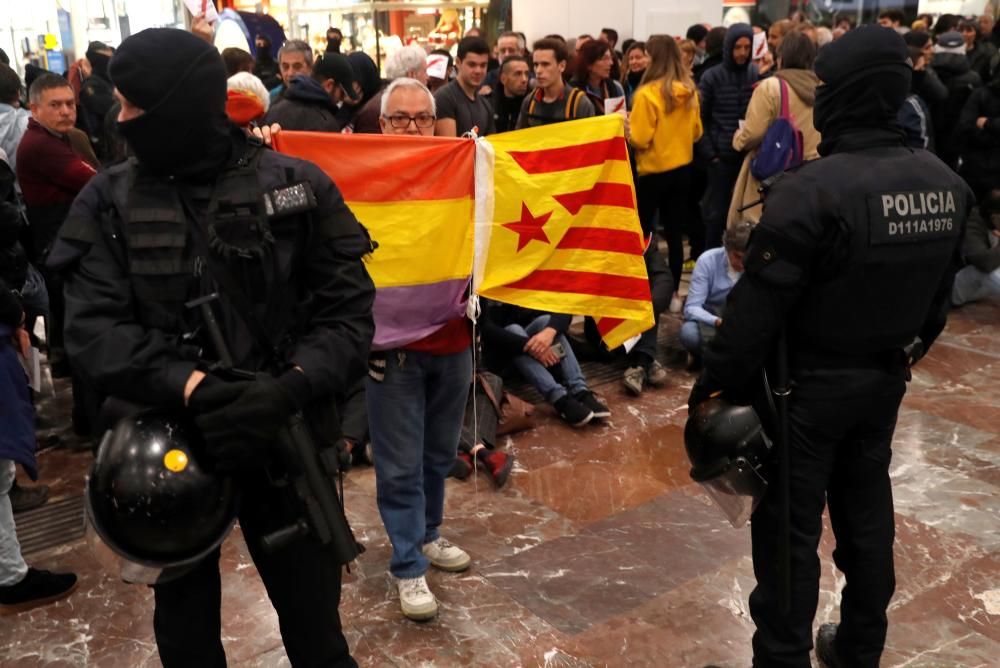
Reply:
x=402 y=121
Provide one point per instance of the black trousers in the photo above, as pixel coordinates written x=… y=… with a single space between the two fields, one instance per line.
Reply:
x=841 y=426
x=722 y=177
x=666 y=192
x=302 y=580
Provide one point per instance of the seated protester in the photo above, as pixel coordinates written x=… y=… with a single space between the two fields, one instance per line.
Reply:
x=979 y=136
x=592 y=73
x=980 y=279
x=477 y=447
x=715 y=274
x=553 y=100
x=915 y=116
x=536 y=345
x=311 y=102
x=247 y=99
x=643 y=367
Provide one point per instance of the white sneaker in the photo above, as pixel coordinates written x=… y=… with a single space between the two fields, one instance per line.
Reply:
x=676 y=303
x=447 y=557
x=416 y=599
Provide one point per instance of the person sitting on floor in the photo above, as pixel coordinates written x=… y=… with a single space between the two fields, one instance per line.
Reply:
x=477 y=445
x=980 y=278
x=715 y=274
x=535 y=344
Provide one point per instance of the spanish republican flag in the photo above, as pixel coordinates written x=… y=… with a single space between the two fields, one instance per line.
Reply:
x=416 y=197
x=564 y=235
x=543 y=218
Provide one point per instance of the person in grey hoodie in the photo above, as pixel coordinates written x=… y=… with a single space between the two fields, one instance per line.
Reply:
x=725 y=93
x=13 y=118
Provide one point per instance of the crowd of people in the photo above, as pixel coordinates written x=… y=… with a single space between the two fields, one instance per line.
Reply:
x=708 y=126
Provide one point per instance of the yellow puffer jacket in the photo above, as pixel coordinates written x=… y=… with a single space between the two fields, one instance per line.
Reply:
x=664 y=141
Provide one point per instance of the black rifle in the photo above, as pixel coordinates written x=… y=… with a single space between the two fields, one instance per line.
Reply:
x=308 y=470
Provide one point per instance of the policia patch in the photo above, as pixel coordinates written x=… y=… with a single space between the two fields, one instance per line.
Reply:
x=912 y=216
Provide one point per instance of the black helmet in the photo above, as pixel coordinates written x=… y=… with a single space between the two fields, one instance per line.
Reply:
x=150 y=499
x=728 y=449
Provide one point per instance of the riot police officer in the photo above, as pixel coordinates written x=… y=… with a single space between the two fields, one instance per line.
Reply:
x=854 y=257
x=198 y=203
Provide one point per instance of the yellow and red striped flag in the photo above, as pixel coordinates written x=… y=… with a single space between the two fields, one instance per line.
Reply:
x=564 y=234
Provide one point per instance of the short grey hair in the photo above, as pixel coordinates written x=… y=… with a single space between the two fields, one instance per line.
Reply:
x=521 y=44
x=297 y=46
x=405 y=60
x=737 y=237
x=406 y=82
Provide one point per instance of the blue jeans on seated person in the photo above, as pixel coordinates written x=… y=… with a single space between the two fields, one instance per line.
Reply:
x=12 y=566
x=535 y=373
x=972 y=285
x=691 y=337
x=415 y=418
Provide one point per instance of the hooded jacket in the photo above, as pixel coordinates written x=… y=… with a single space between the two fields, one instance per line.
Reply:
x=306 y=106
x=725 y=93
x=664 y=140
x=764 y=109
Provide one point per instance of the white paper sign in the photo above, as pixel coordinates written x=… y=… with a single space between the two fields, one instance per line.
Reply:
x=614 y=105
x=630 y=343
x=199 y=7
x=437 y=66
x=32 y=365
x=759 y=45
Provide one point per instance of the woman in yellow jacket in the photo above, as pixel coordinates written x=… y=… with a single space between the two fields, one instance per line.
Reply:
x=665 y=124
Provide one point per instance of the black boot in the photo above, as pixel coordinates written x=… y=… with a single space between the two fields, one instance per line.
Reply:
x=826 y=649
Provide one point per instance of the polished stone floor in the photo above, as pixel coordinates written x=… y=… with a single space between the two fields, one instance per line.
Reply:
x=601 y=552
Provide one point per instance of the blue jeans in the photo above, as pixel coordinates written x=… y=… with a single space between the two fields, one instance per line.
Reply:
x=539 y=376
x=691 y=337
x=415 y=417
x=972 y=285
x=12 y=566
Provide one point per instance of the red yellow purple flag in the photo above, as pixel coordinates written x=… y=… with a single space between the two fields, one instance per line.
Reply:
x=564 y=234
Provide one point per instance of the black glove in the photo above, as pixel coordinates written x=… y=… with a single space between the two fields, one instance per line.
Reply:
x=241 y=420
x=702 y=391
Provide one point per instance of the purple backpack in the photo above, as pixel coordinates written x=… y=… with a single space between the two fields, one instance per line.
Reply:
x=782 y=146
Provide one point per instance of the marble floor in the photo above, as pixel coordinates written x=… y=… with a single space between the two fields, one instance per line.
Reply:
x=601 y=552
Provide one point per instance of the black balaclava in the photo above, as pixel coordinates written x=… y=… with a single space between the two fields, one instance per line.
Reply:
x=99 y=61
x=865 y=80
x=179 y=81
x=735 y=32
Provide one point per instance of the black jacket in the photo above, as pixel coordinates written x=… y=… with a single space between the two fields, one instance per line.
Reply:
x=506 y=110
x=981 y=148
x=981 y=58
x=725 y=92
x=306 y=107
x=326 y=329
x=853 y=269
x=960 y=80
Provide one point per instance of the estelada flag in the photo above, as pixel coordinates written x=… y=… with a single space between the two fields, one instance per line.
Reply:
x=548 y=213
x=564 y=234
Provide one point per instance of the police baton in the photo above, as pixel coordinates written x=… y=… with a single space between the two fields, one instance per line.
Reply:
x=782 y=390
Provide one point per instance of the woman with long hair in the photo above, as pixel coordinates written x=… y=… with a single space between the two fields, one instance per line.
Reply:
x=665 y=124
x=592 y=73
x=636 y=60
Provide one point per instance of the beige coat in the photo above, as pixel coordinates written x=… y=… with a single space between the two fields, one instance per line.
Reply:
x=764 y=109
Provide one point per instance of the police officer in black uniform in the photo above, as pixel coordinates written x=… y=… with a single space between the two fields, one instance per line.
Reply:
x=149 y=235
x=854 y=257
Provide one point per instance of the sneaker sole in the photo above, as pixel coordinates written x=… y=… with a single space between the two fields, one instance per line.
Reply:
x=420 y=614
x=456 y=567
x=15 y=608
x=602 y=414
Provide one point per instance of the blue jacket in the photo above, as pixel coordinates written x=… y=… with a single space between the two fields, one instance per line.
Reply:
x=725 y=93
x=17 y=416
